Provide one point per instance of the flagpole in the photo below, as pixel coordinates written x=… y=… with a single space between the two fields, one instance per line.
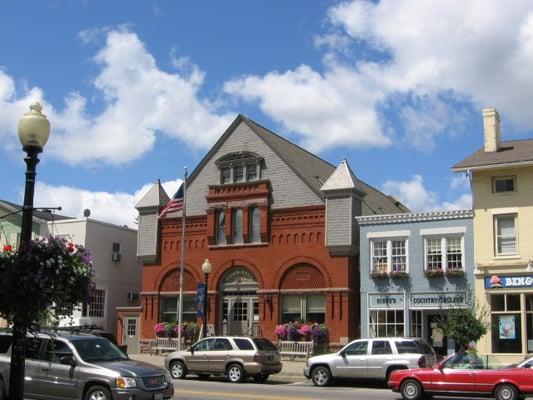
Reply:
x=182 y=255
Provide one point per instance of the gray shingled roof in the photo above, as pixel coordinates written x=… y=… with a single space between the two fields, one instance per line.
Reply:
x=155 y=197
x=514 y=151
x=311 y=169
x=44 y=215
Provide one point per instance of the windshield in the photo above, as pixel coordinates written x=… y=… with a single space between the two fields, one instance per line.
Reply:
x=100 y=349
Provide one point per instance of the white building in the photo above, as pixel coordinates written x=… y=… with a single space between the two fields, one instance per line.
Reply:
x=118 y=274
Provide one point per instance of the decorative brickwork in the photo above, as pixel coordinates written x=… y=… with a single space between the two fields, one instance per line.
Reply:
x=171 y=281
x=303 y=276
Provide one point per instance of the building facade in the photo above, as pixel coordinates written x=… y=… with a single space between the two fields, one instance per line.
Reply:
x=414 y=267
x=501 y=173
x=277 y=224
x=117 y=271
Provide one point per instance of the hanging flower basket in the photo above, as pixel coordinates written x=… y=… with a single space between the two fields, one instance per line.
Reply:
x=435 y=273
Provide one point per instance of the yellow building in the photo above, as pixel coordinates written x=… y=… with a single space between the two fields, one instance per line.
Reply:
x=501 y=175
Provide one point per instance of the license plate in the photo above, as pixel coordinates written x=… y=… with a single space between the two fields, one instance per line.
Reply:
x=158 y=396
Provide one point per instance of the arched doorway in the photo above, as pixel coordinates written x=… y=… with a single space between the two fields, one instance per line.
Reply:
x=240 y=303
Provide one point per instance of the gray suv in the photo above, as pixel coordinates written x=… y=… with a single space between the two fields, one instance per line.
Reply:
x=372 y=358
x=84 y=367
x=235 y=357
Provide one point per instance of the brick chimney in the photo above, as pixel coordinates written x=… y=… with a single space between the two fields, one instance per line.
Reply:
x=491 y=129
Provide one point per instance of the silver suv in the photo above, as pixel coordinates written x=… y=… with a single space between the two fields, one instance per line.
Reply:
x=372 y=358
x=84 y=367
x=235 y=357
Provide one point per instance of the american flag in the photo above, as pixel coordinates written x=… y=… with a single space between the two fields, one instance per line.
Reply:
x=174 y=204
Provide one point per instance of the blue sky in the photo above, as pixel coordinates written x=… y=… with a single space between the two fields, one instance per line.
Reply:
x=135 y=91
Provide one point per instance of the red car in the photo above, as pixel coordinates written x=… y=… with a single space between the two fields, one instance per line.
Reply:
x=463 y=374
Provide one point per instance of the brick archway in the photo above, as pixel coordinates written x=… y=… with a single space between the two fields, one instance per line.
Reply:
x=171 y=281
x=224 y=268
x=318 y=269
x=302 y=276
x=169 y=271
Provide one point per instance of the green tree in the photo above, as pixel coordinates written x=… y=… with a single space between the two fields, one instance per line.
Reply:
x=464 y=325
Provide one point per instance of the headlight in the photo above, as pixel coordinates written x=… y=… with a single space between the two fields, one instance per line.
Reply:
x=123 y=382
x=168 y=378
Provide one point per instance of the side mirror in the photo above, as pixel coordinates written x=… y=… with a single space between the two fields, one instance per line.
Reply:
x=440 y=366
x=342 y=353
x=67 y=359
x=191 y=349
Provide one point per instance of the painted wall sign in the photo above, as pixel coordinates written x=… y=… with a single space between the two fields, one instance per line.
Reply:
x=435 y=300
x=517 y=281
x=385 y=300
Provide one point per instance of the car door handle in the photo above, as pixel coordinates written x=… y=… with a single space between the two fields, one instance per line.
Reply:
x=45 y=369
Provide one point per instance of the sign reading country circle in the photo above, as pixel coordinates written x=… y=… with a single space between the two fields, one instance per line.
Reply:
x=515 y=281
x=433 y=300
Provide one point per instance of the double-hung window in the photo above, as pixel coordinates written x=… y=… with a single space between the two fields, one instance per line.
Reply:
x=389 y=255
x=444 y=253
x=220 y=221
x=505 y=235
x=255 y=225
x=237 y=226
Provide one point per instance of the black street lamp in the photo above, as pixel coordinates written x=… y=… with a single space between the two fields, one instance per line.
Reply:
x=33 y=130
x=206 y=269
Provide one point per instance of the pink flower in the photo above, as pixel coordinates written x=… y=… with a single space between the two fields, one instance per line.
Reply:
x=305 y=330
x=281 y=331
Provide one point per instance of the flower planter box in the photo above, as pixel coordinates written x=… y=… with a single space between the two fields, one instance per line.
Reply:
x=379 y=275
x=399 y=275
x=438 y=273
x=455 y=273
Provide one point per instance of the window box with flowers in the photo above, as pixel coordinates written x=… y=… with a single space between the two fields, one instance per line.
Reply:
x=434 y=273
x=399 y=274
x=189 y=330
x=452 y=273
x=379 y=274
x=297 y=331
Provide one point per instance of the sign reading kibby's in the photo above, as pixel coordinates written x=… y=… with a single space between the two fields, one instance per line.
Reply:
x=385 y=300
x=432 y=300
x=515 y=281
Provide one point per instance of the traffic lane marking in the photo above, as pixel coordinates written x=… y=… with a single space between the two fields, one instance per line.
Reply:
x=235 y=395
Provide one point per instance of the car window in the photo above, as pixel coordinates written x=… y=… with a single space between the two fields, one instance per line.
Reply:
x=357 y=348
x=55 y=349
x=5 y=343
x=425 y=348
x=264 y=344
x=381 y=347
x=243 y=344
x=222 y=344
x=464 y=361
x=33 y=348
x=98 y=349
x=407 y=346
x=204 y=345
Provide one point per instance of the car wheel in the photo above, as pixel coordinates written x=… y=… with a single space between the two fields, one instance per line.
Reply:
x=235 y=373
x=321 y=376
x=178 y=370
x=260 y=378
x=98 y=392
x=506 y=392
x=204 y=376
x=411 y=390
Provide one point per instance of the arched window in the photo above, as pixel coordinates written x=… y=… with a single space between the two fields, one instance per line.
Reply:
x=255 y=235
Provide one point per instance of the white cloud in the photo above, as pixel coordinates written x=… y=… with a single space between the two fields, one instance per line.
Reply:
x=417 y=198
x=425 y=57
x=140 y=100
x=117 y=208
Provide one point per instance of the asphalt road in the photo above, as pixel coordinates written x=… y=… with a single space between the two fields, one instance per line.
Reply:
x=219 y=389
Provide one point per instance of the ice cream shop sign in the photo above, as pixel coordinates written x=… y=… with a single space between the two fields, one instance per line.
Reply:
x=517 y=281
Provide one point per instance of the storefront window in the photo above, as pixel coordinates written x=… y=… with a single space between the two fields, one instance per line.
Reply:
x=169 y=308
x=310 y=308
x=386 y=323
x=506 y=325
x=416 y=323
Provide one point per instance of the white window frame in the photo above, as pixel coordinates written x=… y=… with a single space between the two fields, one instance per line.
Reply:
x=89 y=307
x=444 y=250
x=389 y=241
x=506 y=177
x=495 y=235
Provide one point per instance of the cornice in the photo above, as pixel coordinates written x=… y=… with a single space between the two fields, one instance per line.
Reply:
x=414 y=217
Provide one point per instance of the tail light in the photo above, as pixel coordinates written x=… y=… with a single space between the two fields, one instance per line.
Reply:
x=422 y=362
x=257 y=357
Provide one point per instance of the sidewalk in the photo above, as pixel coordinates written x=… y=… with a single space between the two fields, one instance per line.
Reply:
x=292 y=371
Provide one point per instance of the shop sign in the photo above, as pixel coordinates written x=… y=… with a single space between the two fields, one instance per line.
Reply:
x=516 y=281
x=437 y=300
x=385 y=300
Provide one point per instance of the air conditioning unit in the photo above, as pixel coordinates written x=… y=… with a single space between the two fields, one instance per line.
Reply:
x=115 y=256
x=133 y=296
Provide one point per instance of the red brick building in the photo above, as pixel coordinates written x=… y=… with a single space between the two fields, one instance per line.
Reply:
x=277 y=224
